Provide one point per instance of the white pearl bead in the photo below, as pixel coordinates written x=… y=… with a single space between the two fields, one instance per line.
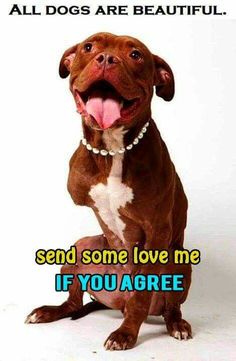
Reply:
x=88 y=146
x=146 y=125
x=136 y=140
x=121 y=150
x=103 y=152
x=111 y=152
x=140 y=136
x=84 y=141
x=130 y=146
x=144 y=130
x=95 y=150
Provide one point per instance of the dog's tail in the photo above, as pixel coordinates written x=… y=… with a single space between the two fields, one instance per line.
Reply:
x=88 y=308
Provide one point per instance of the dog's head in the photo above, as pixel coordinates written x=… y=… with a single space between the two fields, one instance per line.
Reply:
x=112 y=79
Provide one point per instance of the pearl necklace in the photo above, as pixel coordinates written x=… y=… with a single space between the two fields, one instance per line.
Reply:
x=105 y=152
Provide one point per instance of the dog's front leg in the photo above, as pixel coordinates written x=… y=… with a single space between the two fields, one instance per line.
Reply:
x=135 y=312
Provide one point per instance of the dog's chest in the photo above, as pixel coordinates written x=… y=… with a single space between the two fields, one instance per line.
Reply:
x=110 y=197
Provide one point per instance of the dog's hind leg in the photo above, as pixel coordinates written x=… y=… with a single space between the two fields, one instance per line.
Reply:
x=73 y=307
x=73 y=304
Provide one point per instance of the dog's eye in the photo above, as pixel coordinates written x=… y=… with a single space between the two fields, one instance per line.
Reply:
x=136 y=55
x=87 y=47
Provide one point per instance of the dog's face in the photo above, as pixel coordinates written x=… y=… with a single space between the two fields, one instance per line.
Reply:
x=112 y=79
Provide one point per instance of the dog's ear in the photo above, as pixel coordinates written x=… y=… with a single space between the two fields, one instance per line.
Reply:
x=67 y=61
x=163 y=79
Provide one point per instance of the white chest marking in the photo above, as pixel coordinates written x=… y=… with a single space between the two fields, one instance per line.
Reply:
x=108 y=198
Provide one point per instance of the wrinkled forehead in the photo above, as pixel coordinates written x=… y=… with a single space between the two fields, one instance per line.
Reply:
x=118 y=41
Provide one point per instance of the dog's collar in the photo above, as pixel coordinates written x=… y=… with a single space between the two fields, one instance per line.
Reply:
x=105 y=152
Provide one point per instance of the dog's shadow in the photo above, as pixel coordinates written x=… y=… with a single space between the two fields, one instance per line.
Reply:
x=115 y=314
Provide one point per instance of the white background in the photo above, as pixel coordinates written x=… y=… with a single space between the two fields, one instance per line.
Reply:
x=39 y=132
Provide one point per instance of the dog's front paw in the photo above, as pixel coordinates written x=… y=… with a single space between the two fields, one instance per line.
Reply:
x=180 y=330
x=120 y=340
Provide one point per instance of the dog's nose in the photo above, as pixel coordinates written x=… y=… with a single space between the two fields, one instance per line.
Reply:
x=107 y=59
x=111 y=59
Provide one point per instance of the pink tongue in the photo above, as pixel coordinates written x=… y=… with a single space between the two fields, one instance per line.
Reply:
x=105 y=111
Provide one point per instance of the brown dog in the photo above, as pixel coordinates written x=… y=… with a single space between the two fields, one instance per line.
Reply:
x=122 y=170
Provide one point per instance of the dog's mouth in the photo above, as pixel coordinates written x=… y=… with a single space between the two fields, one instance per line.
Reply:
x=105 y=104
